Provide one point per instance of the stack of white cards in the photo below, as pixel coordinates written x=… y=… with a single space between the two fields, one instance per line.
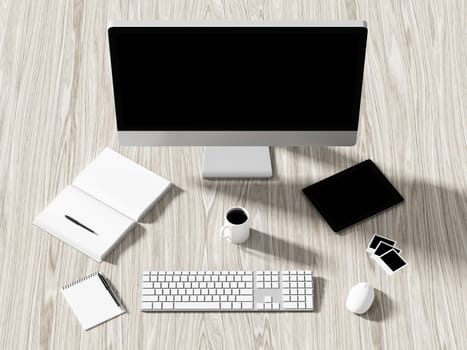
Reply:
x=383 y=250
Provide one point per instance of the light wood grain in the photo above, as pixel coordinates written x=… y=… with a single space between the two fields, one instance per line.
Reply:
x=57 y=114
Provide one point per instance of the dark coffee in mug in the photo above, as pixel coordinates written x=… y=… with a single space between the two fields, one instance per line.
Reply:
x=237 y=216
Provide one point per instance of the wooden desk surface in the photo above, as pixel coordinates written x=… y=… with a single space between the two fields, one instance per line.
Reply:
x=57 y=114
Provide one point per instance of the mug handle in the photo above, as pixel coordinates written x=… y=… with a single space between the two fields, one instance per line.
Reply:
x=224 y=235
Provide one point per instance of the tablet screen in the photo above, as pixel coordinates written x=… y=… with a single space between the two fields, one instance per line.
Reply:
x=352 y=195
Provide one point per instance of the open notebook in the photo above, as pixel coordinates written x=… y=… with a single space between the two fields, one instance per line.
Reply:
x=104 y=202
x=92 y=300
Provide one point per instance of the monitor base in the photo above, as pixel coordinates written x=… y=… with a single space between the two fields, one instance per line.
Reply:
x=237 y=162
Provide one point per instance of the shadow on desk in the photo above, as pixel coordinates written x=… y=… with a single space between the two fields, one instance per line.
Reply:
x=381 y=309
x=271 y=245
x=430 y=223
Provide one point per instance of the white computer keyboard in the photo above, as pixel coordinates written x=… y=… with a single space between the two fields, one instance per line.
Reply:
x=227 y=291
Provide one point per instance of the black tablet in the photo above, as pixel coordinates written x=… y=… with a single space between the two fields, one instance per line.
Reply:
x=352 y=195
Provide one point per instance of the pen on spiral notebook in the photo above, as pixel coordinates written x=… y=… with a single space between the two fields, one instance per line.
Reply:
x=79 y=224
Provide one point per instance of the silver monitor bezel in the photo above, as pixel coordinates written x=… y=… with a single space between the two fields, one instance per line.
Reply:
x=237 y=138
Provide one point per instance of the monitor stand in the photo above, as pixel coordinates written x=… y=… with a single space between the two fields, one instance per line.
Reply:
x=237 y=162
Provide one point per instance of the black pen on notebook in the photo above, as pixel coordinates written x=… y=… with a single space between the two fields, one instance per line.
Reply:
x=106 y=285
x=79 y=224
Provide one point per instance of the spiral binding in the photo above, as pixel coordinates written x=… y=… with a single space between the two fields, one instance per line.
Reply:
x=79 y=280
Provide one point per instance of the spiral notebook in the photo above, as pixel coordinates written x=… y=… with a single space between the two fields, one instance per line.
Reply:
x=92 y=300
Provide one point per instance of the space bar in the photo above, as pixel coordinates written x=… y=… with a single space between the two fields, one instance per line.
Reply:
x=197 y=306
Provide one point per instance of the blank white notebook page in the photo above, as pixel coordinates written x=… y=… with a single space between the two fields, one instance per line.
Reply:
x=122 y=184
x=110 y=225
x=90 y=301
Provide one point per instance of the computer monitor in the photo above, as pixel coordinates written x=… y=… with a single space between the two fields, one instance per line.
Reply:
x=248 y=84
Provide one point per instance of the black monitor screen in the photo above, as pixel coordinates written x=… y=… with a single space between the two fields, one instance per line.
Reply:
x=237 y=78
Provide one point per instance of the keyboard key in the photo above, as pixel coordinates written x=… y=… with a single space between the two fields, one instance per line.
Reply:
x=275 y=306
x=289 y=305
x=197 y=306
x=149 y=298
x=246 y=291
x=226 y=305
x=146 y=305
x=236 y=306
x=247 y=306
x=166 y=306
x=244 y=298
x=268 y=299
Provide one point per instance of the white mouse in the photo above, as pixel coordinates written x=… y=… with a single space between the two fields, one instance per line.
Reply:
x=360 y=298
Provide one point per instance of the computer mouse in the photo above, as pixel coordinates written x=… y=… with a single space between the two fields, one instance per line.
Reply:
x=360 y=298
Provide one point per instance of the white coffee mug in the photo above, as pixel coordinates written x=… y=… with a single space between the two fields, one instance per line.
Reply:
x=237 y=225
